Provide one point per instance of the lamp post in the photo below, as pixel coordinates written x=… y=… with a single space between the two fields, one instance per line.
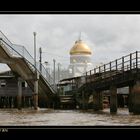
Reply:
x=54 y=72
x=58 y=72
x=40 y=59
x=35 y=97
x=46 y=63
x=47 y=71
x=54 y=85
x=58 y=87
x=34 y=33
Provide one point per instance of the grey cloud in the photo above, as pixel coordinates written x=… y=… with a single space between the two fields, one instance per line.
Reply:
x=109 y=36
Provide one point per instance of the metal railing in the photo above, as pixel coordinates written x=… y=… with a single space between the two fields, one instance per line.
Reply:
x=20 y=51
x=118 y=66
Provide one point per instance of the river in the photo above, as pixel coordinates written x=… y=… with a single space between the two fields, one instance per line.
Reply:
x=50 y=117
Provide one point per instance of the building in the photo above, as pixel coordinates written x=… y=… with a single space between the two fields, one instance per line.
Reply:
x=80 y=61
x=9 y=91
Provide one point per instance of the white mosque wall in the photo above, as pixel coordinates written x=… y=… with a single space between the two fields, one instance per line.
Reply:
x=80 y=59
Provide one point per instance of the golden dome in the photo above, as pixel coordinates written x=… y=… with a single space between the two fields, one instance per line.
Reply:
x=80 y=48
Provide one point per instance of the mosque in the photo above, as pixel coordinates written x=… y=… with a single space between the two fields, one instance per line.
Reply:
x=80 y=63
x=80 y=60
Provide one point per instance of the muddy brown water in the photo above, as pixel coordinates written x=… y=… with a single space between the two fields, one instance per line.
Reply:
x=50 y=117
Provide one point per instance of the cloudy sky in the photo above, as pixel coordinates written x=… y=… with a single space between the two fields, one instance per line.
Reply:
x=109 y=36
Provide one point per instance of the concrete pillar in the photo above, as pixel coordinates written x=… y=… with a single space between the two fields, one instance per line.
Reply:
x=96 y=100
x=15 y=102
x=100 y=100
x=29 y=102
x=86 y=103
x=4 y=102
x=8 y=104
x=85 y=99
x=113 y=99
x=35 y=96
x=12 y=102
x=0 y=102
x=22 y=102
x=136 y=98
x=19 y=97
x=130 y=99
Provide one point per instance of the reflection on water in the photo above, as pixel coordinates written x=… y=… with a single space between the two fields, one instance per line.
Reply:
x=48 y=117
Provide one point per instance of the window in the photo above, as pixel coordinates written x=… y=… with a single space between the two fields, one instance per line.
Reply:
x=24 y=84
x=70 y=70
x=2 y=83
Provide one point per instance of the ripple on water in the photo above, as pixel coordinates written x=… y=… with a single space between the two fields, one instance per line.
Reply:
x=47 y=117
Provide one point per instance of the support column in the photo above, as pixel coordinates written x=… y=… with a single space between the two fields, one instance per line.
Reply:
x=130 y=99
x=113 y=99
x=35 y=96
x=15 y=102
x=83 y=100
x=86 y=101
x=100 y=100
x=136 y=98
x=12 y=102
x=19 y=97
x=23 y=102
x=0 y=102
x=9 y=101
x=97 y=101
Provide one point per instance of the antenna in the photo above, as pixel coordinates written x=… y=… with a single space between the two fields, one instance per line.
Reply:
x=80 y=36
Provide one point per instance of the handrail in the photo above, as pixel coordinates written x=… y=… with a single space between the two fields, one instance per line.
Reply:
x=21 y=51
x=127 y=61
x=120 y=65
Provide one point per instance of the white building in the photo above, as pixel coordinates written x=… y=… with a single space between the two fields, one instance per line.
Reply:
x=80 y=59
x=80 y=62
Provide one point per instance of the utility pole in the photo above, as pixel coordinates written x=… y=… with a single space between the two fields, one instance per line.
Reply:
x=47 y=70
x=58 y=72
x=54 y=80
x=54 y=71
x=35 y=96
x=34 y=33
x=46 y=63
x=40 y=59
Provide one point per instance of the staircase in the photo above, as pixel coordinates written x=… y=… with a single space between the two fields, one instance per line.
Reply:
x=22 y=63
